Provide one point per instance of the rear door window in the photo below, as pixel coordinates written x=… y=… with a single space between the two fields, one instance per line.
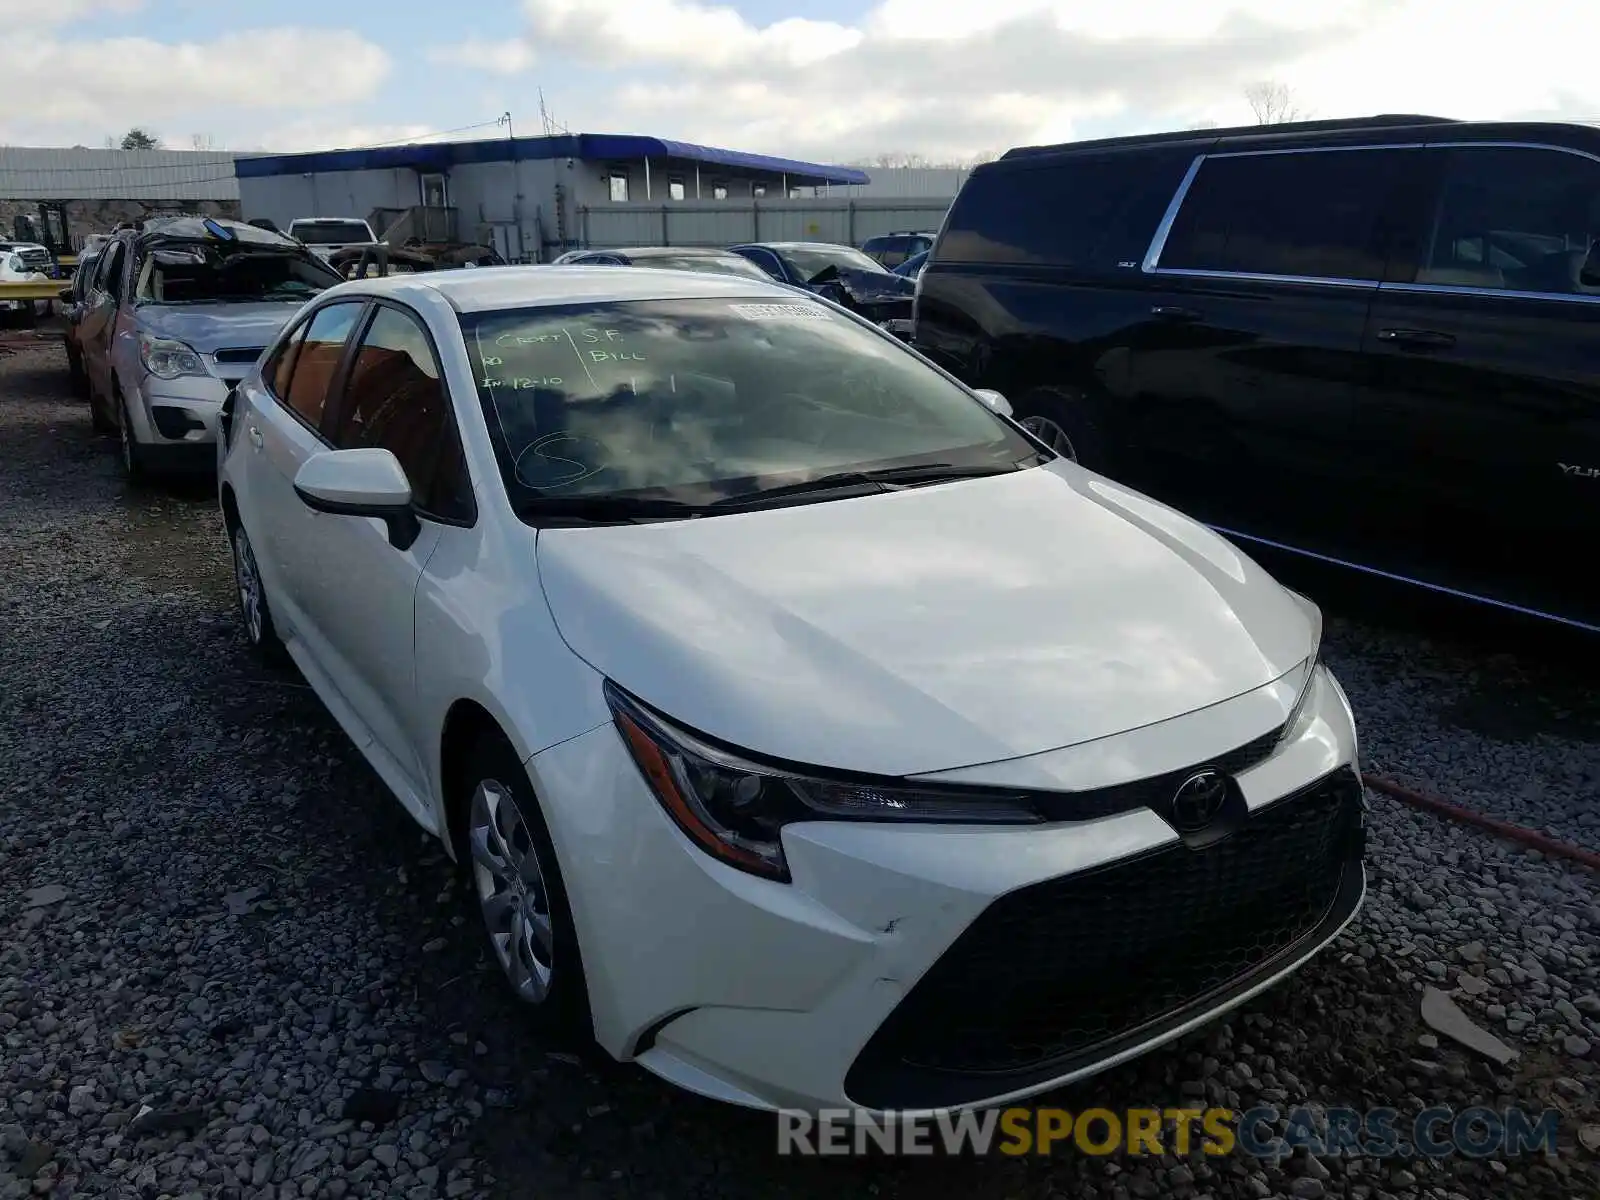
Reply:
x=1084 y=210
x=1315 y=214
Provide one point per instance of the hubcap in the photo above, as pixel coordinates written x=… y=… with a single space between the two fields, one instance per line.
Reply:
x=1052 y=435
x=511 y=890
x=244 y=568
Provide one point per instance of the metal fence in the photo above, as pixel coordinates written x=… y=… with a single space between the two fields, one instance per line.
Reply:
x=847 y=222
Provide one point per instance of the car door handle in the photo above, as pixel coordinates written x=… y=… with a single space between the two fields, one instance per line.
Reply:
x=1172 y=312
x=1416 y=337
x=255 y=437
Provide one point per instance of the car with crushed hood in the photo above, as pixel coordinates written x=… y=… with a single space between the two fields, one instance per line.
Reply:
x=843 y=274
x=176 y=313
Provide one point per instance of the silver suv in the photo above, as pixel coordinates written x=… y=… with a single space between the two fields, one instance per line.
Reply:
x=176 y=313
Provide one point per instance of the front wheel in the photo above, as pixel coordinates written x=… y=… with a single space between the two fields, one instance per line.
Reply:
x=517 y=884
x=1062 y=419
x=254 y=614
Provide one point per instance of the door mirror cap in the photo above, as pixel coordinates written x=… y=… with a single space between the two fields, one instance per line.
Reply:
x=367 y=482
x=994 y=400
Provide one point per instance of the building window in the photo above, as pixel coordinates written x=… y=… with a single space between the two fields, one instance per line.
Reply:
x=719 y=191
x=796 y=193
x=618 y=183
x=759 y=191
x=675 y=188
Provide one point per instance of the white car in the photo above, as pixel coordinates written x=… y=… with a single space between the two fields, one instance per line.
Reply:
x=325 y=236
x=813 y=736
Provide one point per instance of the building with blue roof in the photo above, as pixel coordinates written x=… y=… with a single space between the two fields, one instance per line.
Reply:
x=535 y=197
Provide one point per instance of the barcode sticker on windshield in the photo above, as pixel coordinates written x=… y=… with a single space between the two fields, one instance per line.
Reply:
x=781 y=312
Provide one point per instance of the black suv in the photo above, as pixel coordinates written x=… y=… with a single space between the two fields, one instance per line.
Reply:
x=1373 y=342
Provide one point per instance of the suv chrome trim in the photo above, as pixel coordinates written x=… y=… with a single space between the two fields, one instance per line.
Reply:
x=1152 y=256
x=1257 y=277
x=1442 y=589
x=1319 y=149
x=1589 y=154
x=1455 y=289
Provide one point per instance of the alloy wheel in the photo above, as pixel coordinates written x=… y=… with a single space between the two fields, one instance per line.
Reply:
x=1052 y=435
x=248 y=578
x=511 y=886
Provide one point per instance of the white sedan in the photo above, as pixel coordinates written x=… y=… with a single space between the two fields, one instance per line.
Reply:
x=813 y=736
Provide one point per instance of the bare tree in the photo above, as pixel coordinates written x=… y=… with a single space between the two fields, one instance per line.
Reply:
x=140 y=139
x=1273 y=103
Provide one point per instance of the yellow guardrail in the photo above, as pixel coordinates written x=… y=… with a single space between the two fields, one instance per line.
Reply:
x=47 y=289
x=67 y=261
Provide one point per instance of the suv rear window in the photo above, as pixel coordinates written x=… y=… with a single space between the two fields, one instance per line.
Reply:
x=329 y=233
x=1088 y=209
x=1316 y=214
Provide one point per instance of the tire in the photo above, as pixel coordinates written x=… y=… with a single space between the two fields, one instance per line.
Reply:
x=1062 y=418
x=133 y=462
x=255 y=615
x=515 y=882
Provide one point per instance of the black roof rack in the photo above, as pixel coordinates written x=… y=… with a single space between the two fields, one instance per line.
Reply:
x=1384 y=120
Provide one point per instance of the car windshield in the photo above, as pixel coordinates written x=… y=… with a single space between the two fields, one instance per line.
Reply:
x=810 y=261
x=330 y=233
x=199 y=274
x=696 y=400
x=717 y=264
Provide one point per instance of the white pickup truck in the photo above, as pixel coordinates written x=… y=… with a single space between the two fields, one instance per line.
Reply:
x=325 y=235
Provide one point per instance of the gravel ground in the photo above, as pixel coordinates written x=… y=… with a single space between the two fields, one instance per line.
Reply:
x=231 y=967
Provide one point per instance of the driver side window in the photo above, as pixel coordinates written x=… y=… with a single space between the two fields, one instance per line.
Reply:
x=108 y=278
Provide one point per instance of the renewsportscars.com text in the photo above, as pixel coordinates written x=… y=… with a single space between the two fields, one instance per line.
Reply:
x=1437 y=1132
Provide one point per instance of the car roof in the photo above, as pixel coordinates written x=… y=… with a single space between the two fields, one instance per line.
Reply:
x=800 y=245
x=664 y=251
x=197 y=229
x=487 y=288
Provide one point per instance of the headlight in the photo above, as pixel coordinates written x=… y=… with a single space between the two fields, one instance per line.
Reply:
x=1291 y=727
x=167 y=359
x=735 y=809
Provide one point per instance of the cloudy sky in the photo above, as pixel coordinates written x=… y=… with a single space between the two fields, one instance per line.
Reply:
x=823 y=79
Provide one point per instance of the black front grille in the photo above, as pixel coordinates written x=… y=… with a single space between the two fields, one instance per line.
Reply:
x=1154 y=791
x=239 y=354
x=1059 y=975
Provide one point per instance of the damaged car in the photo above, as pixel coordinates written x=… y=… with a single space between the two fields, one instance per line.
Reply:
x=176 y=313
x=842 y=274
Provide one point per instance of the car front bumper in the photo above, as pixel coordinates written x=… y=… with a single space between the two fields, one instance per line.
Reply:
x=917 y=968
x=175 y=421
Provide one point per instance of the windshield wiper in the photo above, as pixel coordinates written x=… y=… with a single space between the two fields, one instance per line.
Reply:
x=891 y=477
x=606 y=508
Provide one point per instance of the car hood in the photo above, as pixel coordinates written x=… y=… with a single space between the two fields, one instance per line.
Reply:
x=212 y=327
x=927 y=629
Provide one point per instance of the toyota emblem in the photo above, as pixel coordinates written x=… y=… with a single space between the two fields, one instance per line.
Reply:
x=1198 y=800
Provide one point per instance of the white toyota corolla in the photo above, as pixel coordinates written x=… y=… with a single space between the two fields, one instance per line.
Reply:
x=814 y=737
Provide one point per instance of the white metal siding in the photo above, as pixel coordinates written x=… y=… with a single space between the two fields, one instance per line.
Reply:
x=34 y=173
x=905 y=183
x=282 y=198
x=728 y=222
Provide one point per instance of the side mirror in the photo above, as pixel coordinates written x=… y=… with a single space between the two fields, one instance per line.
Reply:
x=368 y=482
x=994 y=400
x=65 y=296
x=1589 y=273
